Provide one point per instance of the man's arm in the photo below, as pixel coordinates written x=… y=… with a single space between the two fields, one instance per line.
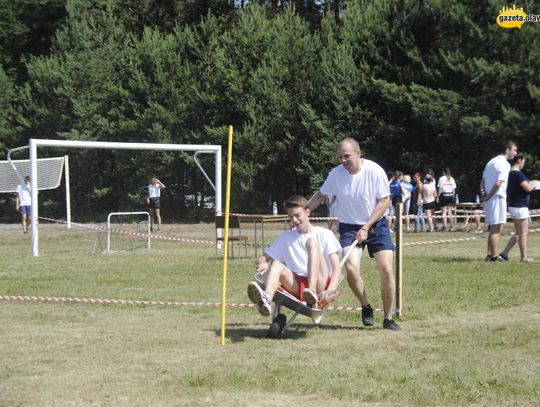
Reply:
x=314 y=202
x=494 y=190
x=380 y=209
x=17 y=203
x=482 y=188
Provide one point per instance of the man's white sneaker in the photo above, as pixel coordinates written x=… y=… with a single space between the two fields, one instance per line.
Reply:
x=310 y=297
x=259 y=298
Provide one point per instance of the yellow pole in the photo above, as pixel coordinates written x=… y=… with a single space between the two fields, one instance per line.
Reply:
x=226 y=240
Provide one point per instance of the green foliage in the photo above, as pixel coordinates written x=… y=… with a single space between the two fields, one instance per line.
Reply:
x=419 y=84
x=7 y=98
x=26 y=28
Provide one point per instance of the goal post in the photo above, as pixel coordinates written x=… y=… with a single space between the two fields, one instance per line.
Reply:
x=35 y=143
x=49 y=171
x=110 y=231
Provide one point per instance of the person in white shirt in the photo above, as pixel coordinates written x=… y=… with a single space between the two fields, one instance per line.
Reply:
x=493 y=192
x=24 y=202
x=447 y=198
x=429 y=197
x=153 y=201
x=363 y=193
x=304 y=260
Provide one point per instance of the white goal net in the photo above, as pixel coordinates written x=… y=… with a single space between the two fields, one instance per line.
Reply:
x=123 y=232
x=49 y=173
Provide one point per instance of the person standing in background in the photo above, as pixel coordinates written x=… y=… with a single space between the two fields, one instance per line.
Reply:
x=419 y=221
x=519 y=189
x=153 y=201
x=429 y=195
x=407 y=199
x=447 y=198
x=24 y=202
x=493 y=190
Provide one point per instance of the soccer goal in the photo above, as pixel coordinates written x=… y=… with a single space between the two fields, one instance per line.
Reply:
x=49 y=175
x=34 y=144
x=124 y=232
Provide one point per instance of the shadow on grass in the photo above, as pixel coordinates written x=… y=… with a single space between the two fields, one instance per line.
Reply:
x=239 y=332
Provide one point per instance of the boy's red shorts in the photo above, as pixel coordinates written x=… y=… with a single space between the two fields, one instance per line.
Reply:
x=303 y=283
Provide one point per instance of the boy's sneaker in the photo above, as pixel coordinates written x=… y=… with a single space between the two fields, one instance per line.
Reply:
x=493 y=258
x=391 y=325
x=310 y=297
x=528 y=261
x=503 y=257
x=367 y=316
x=259 y=298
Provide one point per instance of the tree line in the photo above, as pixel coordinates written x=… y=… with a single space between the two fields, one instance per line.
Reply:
x=420 y=84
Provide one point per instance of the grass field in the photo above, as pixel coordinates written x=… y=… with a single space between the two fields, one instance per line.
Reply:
x=470 y=330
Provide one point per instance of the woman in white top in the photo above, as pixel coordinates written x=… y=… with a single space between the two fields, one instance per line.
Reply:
x=429 y=194
x=154 y=193
x=447 y=197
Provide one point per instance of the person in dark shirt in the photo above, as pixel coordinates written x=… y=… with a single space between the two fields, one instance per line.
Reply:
x=519 y=189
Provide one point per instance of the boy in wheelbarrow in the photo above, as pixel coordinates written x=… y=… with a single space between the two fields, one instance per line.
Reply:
x=304 y=261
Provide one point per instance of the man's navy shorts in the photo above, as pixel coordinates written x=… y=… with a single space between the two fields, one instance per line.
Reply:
x=378 y=238
x=25 y=210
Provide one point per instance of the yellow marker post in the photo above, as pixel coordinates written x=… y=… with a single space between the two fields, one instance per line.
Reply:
x=226 y=240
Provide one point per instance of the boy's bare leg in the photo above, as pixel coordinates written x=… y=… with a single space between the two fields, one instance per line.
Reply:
x=317 y=268
x=279 y=273
x=24 y=221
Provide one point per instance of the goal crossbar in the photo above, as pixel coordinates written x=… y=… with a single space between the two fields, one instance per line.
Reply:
x=35 y=143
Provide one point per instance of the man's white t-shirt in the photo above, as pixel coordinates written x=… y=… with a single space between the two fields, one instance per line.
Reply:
x=25 y=195
x=497 y=169
x=446 y=185
x=358 y=193
x=290 y=248
x=154 y=191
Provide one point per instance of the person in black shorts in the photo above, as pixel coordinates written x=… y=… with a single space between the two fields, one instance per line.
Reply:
x=447 y=198
x=152 y=200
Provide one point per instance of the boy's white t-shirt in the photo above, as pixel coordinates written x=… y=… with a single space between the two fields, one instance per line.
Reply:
x=290 y=248
x=25 y=194
x=358 y=193
x=497 y=169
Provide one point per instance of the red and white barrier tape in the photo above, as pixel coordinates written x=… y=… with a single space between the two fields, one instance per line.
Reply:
x=462 y=239
x=145 y=302
x=138 y=234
